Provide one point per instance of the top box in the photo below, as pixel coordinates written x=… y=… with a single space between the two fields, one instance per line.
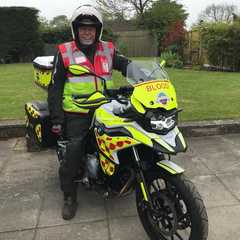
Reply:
x=43 y=70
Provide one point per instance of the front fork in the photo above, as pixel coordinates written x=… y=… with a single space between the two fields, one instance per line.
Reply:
x=141 y=179
x=168 y=166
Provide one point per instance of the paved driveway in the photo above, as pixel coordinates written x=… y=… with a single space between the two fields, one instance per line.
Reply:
x=30 y=200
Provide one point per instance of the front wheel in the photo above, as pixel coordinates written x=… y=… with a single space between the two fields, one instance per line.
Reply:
x=178 y=210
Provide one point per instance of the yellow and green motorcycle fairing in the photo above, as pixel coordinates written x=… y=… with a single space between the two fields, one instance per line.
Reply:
x=154 y=94
x=147 y=95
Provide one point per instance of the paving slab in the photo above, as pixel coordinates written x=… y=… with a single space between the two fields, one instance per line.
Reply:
x=5 y=151
x=19 y=210
x=3 y=161
x=217 y=154
x=86 y=231
x=90 y=208
x=122 y=207
x=19 y=235
x=128 y=228
x=22 y=171
x=211 y=144
x=213 y=191
x=232 y=139
x=9 y=143
x=20 y=145
x=31 y=201
x=192 y=164
x=224 y=223
x=221 y=162
x=232 y=181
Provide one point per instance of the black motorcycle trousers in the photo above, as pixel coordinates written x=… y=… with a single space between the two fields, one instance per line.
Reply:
x=76 y=131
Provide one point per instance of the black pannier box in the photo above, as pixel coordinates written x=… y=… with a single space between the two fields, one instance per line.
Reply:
x=38 y=126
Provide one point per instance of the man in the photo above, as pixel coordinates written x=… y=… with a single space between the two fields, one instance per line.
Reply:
x=88 y=50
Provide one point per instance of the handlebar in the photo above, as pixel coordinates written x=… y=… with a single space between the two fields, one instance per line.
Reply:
x=124 y=90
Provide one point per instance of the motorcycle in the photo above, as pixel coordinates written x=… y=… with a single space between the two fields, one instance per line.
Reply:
x=134 y=133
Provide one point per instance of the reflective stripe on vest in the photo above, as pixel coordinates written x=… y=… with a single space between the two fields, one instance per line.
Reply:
x=88 y=79
x=84 y=85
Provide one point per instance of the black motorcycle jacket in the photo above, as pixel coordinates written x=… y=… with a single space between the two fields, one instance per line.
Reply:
x=56 y=87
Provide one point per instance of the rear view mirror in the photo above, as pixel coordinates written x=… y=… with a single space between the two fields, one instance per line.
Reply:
x=78 y=69
x=163 y=63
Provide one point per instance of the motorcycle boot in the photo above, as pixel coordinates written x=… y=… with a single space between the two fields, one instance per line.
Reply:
x=70 y=206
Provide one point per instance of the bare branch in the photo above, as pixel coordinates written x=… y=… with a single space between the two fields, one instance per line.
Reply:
x=124 y=8
x=113 y=8
x=218 y=13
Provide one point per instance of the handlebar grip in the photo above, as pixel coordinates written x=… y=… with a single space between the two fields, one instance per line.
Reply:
x=122 y=90
x=112 y=92
x=126 y=89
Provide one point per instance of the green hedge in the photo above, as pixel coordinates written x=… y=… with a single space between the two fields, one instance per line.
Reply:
x=19 y=30
x=222 y=41
x=64 y=34
x=56 y=35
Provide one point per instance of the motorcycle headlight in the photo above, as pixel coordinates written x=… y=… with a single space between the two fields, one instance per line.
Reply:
x=163 y=123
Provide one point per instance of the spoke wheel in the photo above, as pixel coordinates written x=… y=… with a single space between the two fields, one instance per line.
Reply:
x=164 y=217
x=178 y=211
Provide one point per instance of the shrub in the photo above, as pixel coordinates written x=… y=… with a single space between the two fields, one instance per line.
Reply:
x=223 y=45
x=52 y=35
x=56 y=35
x=20 y=39
x=172 y=59
x=122 y=47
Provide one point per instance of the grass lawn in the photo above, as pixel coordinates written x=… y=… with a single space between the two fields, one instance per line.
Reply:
x=17 y=88
x=203 y=95
x=207 y=95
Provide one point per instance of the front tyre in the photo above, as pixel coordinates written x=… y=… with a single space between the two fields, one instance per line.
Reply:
x=179 y=212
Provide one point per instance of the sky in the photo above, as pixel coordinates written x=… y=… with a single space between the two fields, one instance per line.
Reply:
x=49 y=9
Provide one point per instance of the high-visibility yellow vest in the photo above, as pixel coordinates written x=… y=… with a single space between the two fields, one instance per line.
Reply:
x=83 y=86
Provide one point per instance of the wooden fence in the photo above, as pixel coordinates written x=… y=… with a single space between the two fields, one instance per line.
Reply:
x=130 y=43
x=137 y=43
x=143 y=44
x=193 y=52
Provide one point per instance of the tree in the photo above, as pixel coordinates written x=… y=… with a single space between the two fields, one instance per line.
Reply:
x=19 y=30
x=53 y=35
x=140 y=6
x=113 y=9
x=59 y=21
x=163 y=18
x=124 y=9
x=218 y=13
x=174 y=35
x=43 y=23
x=56 y=35
x=236 y=18
x=221 y=40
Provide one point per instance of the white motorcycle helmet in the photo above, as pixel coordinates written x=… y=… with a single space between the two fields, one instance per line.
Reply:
x=86 y=15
